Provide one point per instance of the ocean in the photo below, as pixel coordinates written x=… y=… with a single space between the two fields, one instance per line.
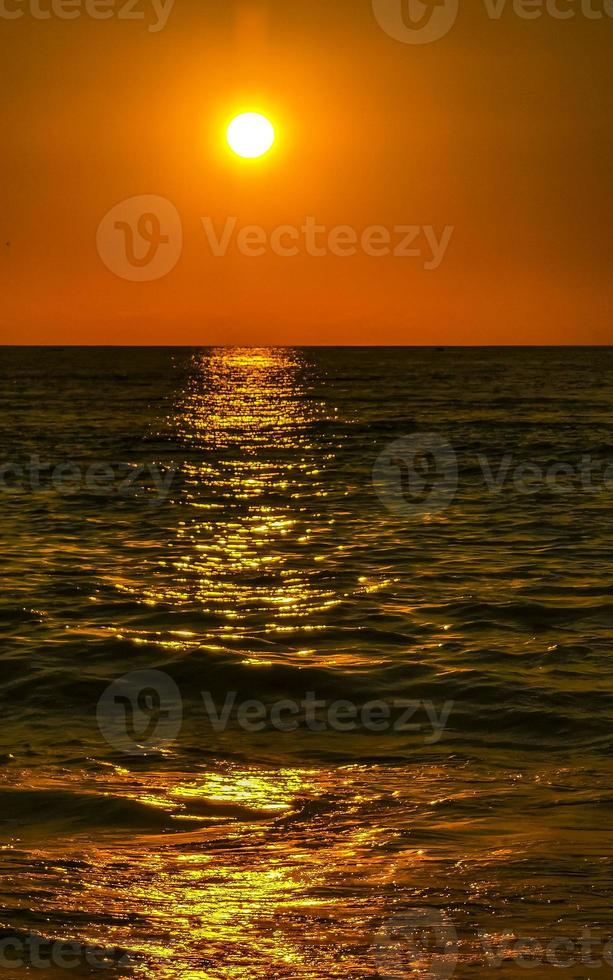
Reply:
x=306 y=662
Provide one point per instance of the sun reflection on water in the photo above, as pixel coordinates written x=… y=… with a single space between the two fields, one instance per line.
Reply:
x=250 y=893
x=228 y=880
x=250 y=502
x=252 y=559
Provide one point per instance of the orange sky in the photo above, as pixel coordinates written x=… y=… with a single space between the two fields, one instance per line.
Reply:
x=498 y=132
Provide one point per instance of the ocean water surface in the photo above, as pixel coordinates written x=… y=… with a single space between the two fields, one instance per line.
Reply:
x=185 y=530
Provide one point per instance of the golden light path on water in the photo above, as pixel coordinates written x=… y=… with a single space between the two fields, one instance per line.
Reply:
x=247 y=419
x=246 y=559
x=255 y=547
x=260 y=896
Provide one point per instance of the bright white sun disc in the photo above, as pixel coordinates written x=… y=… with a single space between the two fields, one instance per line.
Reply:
x=250 y=135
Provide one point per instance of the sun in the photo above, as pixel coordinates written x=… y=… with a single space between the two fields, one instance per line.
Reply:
x=250 y=135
